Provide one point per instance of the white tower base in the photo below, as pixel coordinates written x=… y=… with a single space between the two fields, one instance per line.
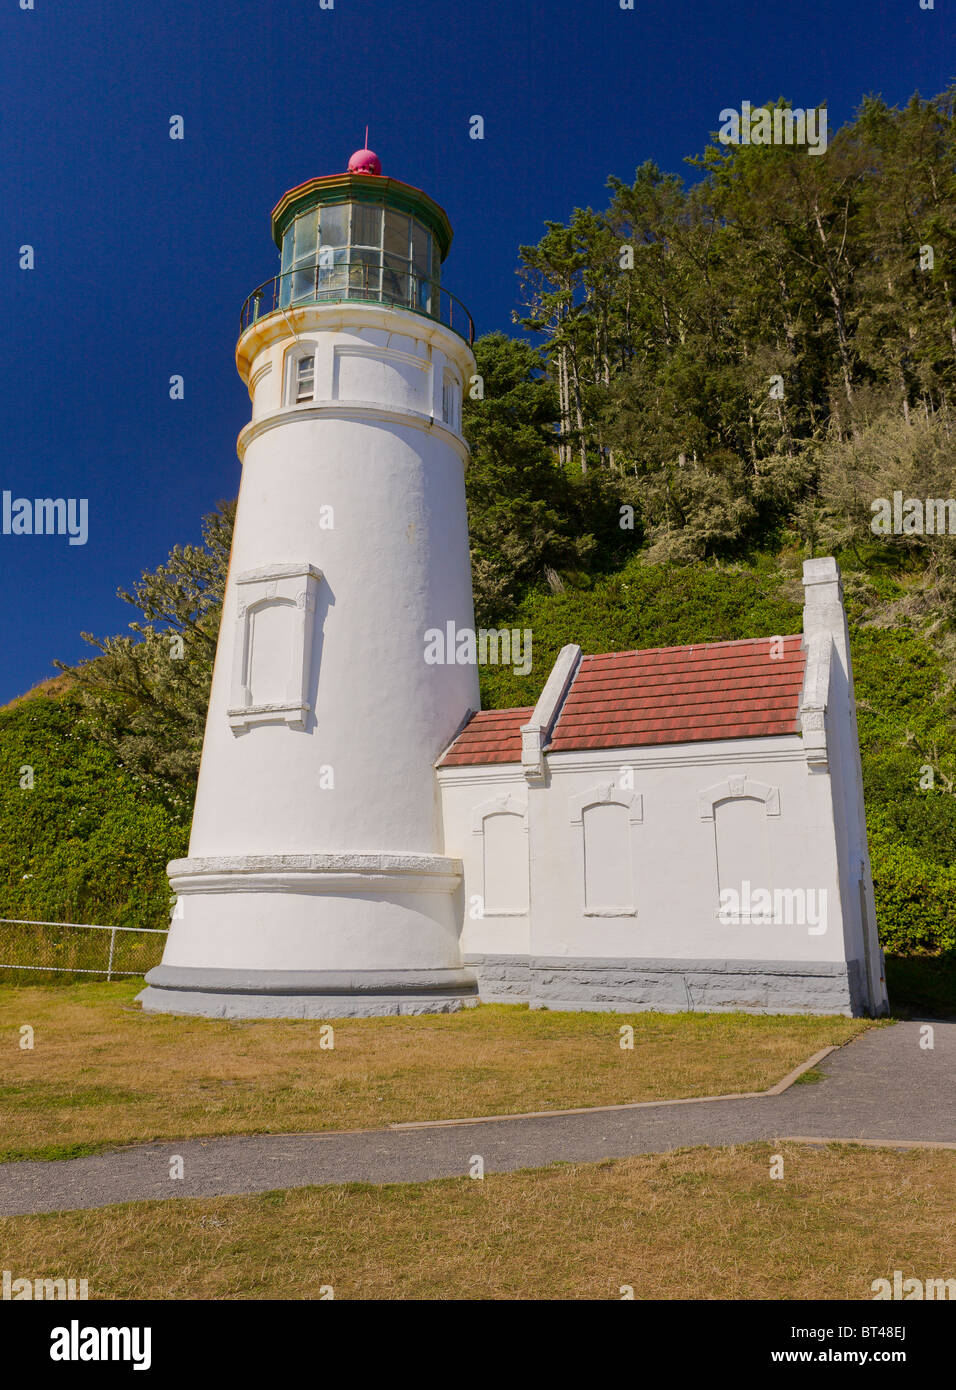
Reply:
x=279 y=913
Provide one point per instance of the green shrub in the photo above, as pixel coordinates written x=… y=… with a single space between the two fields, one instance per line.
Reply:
x=915 y=898
x=640 y=606
x=87 y=842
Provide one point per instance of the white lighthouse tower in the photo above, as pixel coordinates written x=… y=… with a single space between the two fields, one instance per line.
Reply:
x=316 y=883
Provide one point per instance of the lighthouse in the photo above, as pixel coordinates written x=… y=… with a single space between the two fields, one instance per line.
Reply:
x=317 y=883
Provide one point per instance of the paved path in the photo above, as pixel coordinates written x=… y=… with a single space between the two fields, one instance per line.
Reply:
x=881 y=1086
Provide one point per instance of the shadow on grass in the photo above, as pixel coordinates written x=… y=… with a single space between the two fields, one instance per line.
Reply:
x=922 y=985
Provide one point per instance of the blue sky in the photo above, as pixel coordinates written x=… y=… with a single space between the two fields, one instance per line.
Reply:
x=146 y=247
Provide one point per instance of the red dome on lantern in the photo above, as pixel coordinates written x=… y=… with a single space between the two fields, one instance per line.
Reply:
x=365 y=162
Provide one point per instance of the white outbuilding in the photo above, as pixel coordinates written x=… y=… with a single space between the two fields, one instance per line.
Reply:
x=674 y=829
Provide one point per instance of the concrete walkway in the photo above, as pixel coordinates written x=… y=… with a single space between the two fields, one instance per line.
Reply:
x=882 y=1086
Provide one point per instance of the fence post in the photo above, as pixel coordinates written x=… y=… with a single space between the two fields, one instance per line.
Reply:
x=109 y=967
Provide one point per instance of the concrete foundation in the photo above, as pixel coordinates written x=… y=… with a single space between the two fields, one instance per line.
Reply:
x=671 y=986
x=306 y=994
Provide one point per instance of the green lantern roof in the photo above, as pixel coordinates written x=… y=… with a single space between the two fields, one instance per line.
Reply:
x=363 y=188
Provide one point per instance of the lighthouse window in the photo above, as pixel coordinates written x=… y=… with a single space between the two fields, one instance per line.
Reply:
x=366 y=225
x=395 y=278
x=305 y=378
x=335 y=225
x=365 y=272
x=420 y=248
x=396 y=234
x=303 y=283
x=306 y=227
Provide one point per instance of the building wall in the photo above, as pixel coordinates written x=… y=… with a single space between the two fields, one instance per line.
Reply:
x=497 y=939
x=824 y=613
x=626 y=853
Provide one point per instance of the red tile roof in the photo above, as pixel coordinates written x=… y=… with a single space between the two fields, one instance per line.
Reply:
x=666 y=695
x=490 y=736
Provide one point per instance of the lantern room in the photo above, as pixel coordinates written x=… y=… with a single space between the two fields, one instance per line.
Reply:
x=360 y=236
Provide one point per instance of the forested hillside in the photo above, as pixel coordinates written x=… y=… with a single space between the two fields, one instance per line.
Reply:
x=750 y=361
x=715 y=378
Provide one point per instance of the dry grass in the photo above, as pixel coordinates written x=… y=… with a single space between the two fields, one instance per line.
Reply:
x=102 y=1072
x=698 y=1224
x=52 y=688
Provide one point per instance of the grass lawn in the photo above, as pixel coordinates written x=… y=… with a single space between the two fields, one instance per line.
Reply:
x=103 y=1073
x=699 y=1224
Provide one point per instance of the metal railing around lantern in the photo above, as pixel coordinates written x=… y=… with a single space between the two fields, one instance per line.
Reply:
x=357 y=280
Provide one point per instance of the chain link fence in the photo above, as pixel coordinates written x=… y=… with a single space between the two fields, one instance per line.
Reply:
x=52 y=951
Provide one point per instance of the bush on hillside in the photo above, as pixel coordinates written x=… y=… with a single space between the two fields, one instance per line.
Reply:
x=914 y=897
x=87 y=842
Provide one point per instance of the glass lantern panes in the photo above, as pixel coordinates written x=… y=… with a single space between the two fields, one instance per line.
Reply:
x=395 y=280
x=366 y=225
x=335 y=225
x=396 y=234
x=365 y=272
x=420 y=296
x=362 y=251
x=421 y=246
x=333 y=271
x=305 y=234
x=303 y=284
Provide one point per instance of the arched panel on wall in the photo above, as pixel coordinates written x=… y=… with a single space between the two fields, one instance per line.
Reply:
x=503 y=826
x=739 y=809
x=742 y=846
x=272 y=652
x=605 y=817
